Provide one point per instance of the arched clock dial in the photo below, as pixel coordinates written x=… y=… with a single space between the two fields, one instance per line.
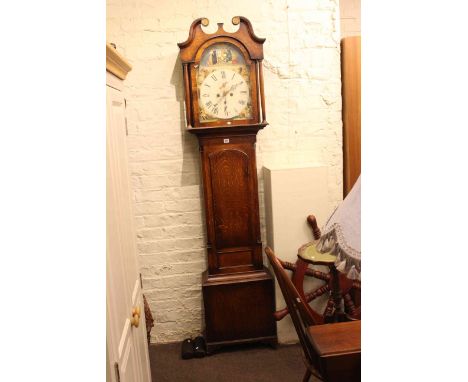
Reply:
x=223 y=82
x=224 y=94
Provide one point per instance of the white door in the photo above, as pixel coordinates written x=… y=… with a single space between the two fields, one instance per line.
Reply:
x=126 y=330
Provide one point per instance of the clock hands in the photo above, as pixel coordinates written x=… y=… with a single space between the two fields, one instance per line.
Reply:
x=233 y=87
x=224 y=96
x=219 y=94
x=224 y=93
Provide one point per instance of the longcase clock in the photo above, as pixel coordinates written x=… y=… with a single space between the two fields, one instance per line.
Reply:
x=225 y=108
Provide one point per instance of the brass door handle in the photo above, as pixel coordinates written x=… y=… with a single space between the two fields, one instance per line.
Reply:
x=135 y=320
x=136 y=310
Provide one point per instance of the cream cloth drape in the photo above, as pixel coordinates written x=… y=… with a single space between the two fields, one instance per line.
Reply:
x=341 y=235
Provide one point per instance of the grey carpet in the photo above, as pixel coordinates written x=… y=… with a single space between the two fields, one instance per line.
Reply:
x=248 y=363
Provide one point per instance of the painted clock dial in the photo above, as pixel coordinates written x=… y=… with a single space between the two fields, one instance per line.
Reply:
x=223 y=82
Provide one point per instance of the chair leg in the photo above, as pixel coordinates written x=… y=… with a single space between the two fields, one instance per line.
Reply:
x=306 y=376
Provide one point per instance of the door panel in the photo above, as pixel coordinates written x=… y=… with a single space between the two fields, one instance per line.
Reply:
x=118 y=290
x=128 y=359
x=127 y=344
x=140 y=339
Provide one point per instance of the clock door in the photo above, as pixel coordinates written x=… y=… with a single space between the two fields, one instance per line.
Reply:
x=230 y=181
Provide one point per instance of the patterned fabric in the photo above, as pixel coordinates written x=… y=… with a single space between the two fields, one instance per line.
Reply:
x=341 y=235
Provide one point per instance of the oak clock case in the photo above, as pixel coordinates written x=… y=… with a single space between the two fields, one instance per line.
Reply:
x=225 y=109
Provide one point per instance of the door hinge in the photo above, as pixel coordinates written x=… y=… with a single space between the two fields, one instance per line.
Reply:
x=117 y=372
x=141 y=282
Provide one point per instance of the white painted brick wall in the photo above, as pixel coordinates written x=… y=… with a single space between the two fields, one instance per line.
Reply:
x=303 y=104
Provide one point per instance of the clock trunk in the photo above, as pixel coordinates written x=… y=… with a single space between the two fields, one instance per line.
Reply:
x=238 y=291
x=231 y=203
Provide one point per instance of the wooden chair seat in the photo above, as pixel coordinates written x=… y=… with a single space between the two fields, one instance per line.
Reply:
x=338 y=350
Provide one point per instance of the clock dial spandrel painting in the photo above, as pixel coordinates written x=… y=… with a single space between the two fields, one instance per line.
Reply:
x=223 y=83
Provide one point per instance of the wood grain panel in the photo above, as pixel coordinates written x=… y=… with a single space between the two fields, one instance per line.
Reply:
x=227 y=305
x=338 y=348
x=234 y=258
x=351 y=91
x=231 y=193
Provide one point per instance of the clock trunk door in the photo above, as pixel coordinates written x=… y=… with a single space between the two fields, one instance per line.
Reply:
x=230 y=183
x=231 y=189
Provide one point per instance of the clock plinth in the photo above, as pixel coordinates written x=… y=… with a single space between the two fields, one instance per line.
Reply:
x=225 y=108
x=239 y=309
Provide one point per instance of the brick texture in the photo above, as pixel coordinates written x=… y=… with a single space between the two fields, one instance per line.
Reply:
x=303 y=105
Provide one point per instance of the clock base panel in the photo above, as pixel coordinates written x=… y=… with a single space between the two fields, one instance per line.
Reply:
x=239 y=309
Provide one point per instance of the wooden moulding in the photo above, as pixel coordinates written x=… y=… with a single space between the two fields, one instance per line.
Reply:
x=116 y=63
x=262 y=91
x=197 y=37
x=221 y=131
x=351 y=93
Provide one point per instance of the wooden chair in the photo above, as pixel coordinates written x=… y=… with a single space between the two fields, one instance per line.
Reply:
x=331 y=352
